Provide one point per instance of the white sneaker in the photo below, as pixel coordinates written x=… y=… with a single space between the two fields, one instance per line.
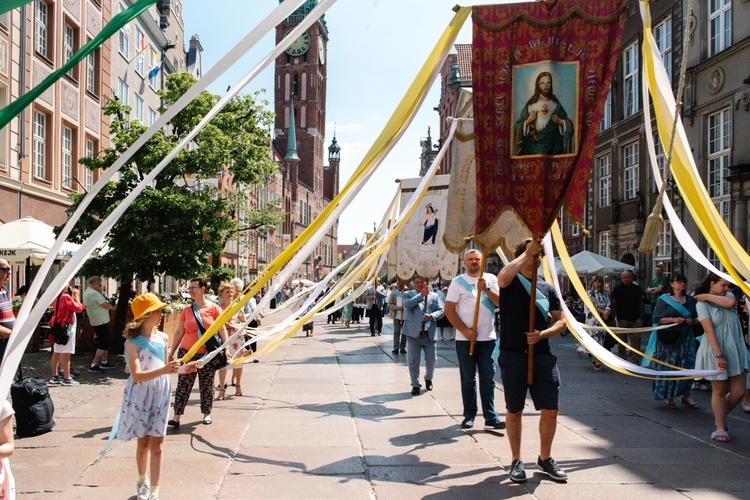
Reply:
x=143 y=489
x=745 y=408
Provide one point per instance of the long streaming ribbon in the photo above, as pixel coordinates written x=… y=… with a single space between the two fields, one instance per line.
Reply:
x=730 y=253
x=607 y=357
x=394 y=129
x=28 y=316
x=112 y=27
x=383 y=244
x=679 y=230
x=9 y=5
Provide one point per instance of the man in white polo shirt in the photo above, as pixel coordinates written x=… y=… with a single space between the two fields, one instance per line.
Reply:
x=460 y=302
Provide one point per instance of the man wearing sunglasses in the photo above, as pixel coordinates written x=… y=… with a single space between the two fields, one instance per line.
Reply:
x=7 y=320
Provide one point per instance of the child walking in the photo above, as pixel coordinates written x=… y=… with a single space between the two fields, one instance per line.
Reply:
x=145 y=403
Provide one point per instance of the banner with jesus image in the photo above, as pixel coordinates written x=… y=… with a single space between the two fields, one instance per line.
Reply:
x=541 y=73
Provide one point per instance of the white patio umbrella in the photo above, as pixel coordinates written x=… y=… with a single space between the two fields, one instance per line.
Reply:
x=592 y=263
x=29 y=238
x=305 y=283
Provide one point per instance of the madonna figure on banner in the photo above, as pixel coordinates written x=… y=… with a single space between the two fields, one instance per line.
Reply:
x=430 y=225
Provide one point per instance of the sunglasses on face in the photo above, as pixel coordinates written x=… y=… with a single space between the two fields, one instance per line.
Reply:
x=5 y=269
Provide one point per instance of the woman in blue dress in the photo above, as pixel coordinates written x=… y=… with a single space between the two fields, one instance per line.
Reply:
x=722 y=348
x=676 y=308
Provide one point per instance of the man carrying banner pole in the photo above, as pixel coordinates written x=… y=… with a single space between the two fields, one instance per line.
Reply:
x=518 y=343
x=460 y=303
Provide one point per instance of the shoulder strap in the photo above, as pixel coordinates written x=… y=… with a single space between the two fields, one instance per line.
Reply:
x=198 y=318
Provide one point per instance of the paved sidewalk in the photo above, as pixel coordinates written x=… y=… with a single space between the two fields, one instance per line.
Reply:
x=331 y=417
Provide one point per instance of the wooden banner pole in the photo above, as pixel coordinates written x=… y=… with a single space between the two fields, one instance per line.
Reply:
x=532 y=321
x=476 y=306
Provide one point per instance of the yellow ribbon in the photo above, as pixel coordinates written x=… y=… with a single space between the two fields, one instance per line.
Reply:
x=700 y=205
x=398 y=120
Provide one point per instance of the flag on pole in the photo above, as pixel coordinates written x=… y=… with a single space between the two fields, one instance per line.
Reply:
x=154 y=70
x=541 y=73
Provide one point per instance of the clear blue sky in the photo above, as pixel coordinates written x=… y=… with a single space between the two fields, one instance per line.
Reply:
x=375 y=49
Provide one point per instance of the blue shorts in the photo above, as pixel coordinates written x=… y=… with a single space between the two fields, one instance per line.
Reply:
x=545 y=392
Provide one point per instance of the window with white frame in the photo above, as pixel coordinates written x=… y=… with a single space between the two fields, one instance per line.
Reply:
x=122 y=93
x=40 y=145
x=604 y=243
x=152 y=116
x=140 y=46
x=4 y=130
x=630 y=79
x=41 y=32
x=124 y=39
x=5 y=21
x=661 y=164
x=607 y=115
x=88 y=177
x=152 y=76
x=69 y=46
x=664 y=246
x=630 y=171
x=714 y=259
x=663 y=36
x=719 y=150
x=138 y=108
x=604 y=165
x=719 y=26
x=67 y=157
x=92 y=73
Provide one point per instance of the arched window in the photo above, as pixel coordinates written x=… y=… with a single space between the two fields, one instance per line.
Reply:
x=287 y=86
x=295 y=86
x=303 y=117
x=286 y=117
x=303 y=90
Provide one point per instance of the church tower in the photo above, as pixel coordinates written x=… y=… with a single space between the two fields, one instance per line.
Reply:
x=300 y=126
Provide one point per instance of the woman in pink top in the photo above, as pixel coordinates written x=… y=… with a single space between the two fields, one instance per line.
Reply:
x=185 y=337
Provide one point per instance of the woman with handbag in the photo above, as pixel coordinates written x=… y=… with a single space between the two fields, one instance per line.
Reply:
x=675 y=345
x=66 y=306
x=193 y=321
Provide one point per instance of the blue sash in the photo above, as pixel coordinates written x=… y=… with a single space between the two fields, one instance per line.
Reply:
x=675 y=305
x=155 y=348
x=472 y=289
x=542 y=302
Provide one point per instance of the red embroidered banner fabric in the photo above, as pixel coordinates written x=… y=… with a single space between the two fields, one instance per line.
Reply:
x=541 y=73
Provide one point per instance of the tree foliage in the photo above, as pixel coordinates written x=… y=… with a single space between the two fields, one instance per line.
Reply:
x=178 y=222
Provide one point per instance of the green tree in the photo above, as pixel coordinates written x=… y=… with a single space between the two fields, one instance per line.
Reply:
x=178 y=223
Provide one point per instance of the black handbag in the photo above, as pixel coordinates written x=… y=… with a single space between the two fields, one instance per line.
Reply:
x=668 y=336
x=219 y=361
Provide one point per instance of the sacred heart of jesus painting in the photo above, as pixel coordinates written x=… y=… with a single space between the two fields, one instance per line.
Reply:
x=545 y=109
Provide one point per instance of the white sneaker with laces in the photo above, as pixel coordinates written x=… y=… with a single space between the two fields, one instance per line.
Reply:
x=143 y=489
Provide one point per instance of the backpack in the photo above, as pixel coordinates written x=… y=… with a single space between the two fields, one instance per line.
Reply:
x=33 y=406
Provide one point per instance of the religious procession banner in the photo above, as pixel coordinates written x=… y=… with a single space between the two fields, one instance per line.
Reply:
x=419 y=249
x=461 y=215
x=541 y=74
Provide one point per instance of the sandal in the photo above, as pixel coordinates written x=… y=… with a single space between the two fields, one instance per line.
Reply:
x=720 y=436
x=692 y=405
x=220 y=397
x=597 y=366
x=671 y=405
x=238 y=390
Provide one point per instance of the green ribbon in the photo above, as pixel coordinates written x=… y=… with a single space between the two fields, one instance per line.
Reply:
x=117 y=22
x=9 y=5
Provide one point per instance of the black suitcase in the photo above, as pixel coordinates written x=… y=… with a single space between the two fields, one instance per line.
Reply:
x=33 y=406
